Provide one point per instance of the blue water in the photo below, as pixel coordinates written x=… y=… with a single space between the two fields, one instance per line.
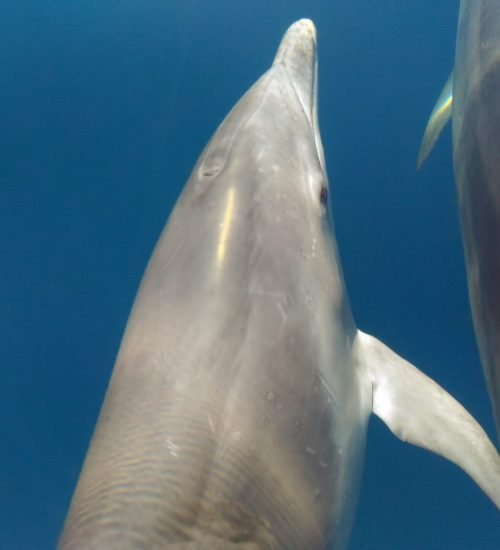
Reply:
x=104 y=109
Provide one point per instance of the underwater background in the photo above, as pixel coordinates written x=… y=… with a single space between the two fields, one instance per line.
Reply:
x=104 y=109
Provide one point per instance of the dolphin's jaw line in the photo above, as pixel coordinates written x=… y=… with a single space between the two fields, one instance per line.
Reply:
x=297 y=56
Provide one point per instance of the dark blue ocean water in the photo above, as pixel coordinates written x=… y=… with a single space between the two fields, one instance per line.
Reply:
x=104 y=109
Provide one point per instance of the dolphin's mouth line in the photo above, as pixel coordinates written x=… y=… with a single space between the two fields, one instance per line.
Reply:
x=292 y=82
x=310 y=118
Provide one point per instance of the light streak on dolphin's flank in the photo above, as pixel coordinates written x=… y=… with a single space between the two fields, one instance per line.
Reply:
x=225 y=227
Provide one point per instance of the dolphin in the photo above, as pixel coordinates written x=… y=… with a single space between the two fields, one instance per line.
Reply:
x=472 y=98
x=237 y=409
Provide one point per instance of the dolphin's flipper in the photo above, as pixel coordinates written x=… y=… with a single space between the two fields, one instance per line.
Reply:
x=419 y=411
x=440 y=115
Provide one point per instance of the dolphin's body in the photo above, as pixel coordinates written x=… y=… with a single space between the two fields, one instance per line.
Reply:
x=238 y=405
x=475 y=102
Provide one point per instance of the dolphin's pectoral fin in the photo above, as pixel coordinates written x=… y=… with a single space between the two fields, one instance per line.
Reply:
x=440 y=115
x=419 y=411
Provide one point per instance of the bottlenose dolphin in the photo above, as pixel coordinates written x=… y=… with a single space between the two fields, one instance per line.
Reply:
x=472 y=94
x=237 y=409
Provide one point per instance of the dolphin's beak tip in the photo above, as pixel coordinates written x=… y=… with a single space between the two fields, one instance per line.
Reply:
x=307 y=26
x=298 y=44
x=304 y=27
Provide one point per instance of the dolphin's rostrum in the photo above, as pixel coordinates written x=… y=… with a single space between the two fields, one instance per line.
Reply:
x=237 y=409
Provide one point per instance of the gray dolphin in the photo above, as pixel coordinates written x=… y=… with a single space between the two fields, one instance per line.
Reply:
x=473 y=95
x=237 y=409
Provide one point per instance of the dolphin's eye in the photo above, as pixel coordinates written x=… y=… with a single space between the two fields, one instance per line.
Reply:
x=323 y=195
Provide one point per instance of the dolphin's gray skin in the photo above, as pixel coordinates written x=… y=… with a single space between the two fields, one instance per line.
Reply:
x=237 y=409
x=476 y=153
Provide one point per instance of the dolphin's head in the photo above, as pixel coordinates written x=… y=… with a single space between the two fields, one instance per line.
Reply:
x=263 y=172
x=272 y=134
